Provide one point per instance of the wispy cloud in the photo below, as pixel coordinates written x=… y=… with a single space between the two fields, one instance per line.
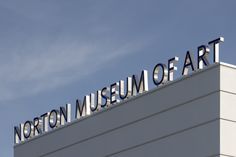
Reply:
x=61 y=63
x=40 y=51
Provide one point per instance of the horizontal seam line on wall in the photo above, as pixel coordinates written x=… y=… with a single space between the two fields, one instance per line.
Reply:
x=163 y=137
x=130 y=123
x=233 y=121
x=226 y=155
x=228 y=92
x=215 y=155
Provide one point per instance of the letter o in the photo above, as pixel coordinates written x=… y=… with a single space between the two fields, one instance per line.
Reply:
x=27 y=128
x=54 y=118
x=164 y=77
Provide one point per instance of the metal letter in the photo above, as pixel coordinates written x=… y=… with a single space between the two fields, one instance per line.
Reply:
x=18 y=134
x=128 y=88
x=164 y=74
x=104 y=93
x=188 y=62
x=142 y=84
x=54 y=119
x=84 y=109
x=216 y=48
x=37 y=126
x=114 y=92
x=203 y=52
x=172 y=67
x=95 y=107
x=27 y=129
x=65 y=114
x=45 y=121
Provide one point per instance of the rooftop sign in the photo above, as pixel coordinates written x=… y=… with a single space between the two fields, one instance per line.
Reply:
x=117 y=92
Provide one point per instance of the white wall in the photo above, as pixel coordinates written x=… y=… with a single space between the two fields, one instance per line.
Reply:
x=228 y=110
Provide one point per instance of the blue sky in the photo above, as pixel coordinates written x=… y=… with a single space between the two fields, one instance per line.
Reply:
x=53 y=52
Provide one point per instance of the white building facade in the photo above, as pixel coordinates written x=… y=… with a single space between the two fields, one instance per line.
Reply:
x=194 y=116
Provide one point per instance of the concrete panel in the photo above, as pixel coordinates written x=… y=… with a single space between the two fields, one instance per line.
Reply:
x=228 y=137
x=227 y=77
x=228 y=106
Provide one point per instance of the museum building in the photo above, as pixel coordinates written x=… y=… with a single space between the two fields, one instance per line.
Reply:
x=194 y=116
